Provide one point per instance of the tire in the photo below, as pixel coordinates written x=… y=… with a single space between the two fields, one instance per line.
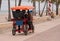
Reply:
x=25 y=29
x=32 y=28
x=13 y=31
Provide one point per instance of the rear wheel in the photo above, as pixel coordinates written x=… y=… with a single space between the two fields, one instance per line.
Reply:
x=13 y=31
x=32 y=28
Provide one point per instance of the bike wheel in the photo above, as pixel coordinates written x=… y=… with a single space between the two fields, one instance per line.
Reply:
x=13 y=31
x=32 y=28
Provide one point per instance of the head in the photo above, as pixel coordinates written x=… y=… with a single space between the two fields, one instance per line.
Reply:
x=17 y=10
x=23 y=11
x=28 y=12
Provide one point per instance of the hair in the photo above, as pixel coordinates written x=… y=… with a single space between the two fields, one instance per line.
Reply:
x=18 y=10
x=23 y=11
x=28 y=12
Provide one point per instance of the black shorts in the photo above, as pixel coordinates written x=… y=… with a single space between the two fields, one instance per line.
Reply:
x=29 y=22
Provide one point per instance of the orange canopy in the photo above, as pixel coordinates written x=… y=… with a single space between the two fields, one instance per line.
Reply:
x=22 y=7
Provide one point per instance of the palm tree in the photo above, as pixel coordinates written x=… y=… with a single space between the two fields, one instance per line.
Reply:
x=57 y=5
x=9 y=15
x=46 y=7
x=19 y=3
x=39 y=7
x=39 y=4
x=34 y=10
x=52 y=7
x=43 y=8
x=0 y=3
x=15 y=2
x=52 y=1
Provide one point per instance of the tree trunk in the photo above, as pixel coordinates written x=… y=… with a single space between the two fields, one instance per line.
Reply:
x=39 y=8
x=34 y=10
x=57 y=6
x=43 y=9
x=19 y=3
x=0 y=4
x=15 y=2
x=9 y=14
x=52 y=7
x=46 y=7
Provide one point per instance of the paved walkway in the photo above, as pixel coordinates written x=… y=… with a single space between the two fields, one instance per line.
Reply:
x=52 y=34
x=39 y=28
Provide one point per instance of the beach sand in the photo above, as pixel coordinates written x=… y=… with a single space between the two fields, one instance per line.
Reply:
x=4 y=16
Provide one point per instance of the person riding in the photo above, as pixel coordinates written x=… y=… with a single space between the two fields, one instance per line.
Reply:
x=30 y=19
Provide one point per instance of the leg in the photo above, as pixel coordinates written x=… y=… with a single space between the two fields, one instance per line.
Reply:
x=19 y=29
